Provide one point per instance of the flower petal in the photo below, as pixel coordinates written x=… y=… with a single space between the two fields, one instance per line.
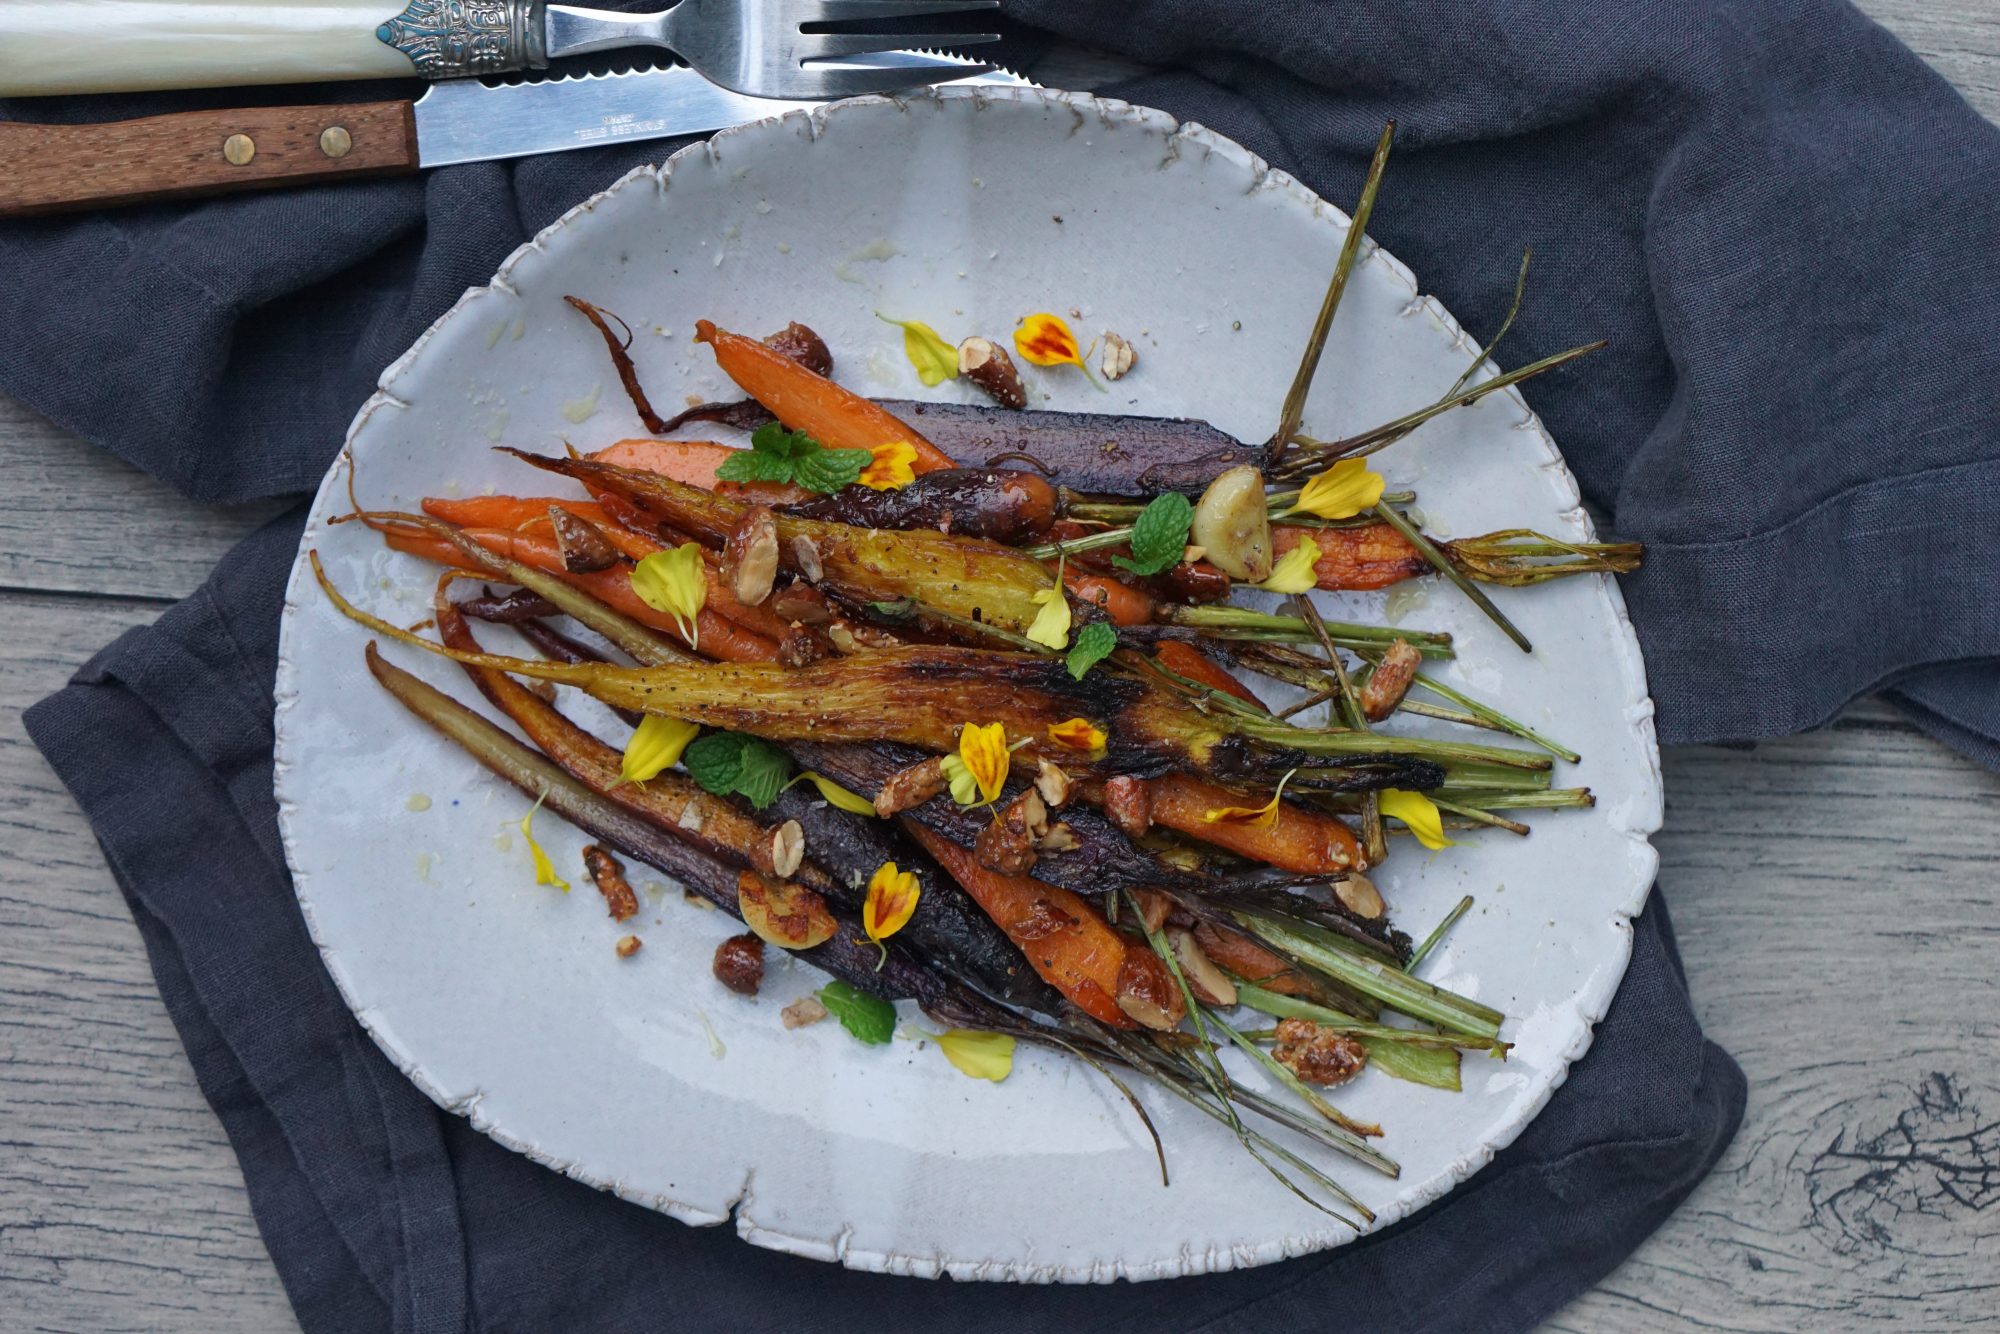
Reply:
x=1296 y=571
x=979 y=1055
x=545 y=871
x=894 y=466
x=1256 y=817
x=964 y=787
x=1418 y=812
x=673 y=582
x=1051 y=623
x=1078 y=734
x=935 y=359
x=839 y=797
x=892 y=897
x=987 y=759
x=655 y=746
x=1045 y=339
x=1342 y=491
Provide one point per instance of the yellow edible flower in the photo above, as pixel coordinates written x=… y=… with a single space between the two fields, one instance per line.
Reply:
x=1078 y=734
x=673 y=582
x=1341 y=492
x=545 y=871
x=1045 y=339
x=892 y=897
x=980 y=1055
x=983 y=758
x=935 y=359
x=894 y=466
x=839 y=797
x=1296 y=571
x=1256 y=817
x=1051 y=623
x=655 y=746
x=1417 y=811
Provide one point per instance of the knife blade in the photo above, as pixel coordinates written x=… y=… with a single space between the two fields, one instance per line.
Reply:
x=54 y=168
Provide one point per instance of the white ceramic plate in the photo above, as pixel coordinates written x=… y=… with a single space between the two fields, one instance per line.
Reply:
x=504 y=1002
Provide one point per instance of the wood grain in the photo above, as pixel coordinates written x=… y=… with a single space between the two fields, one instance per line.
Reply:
x=1834 y=895
x=49 y=168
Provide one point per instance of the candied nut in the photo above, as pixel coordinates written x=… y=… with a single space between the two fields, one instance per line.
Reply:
x=1390 y=681
x=910 y=787
x=1154 y=908
x=790 y=916
x=1005 y=846
x=1118 y=358
x=751 y=555
x=1358 y=893
x=628 y=946
x=1128 y=805
x=1044 y=919
x=1318 y=1055
x=803 y=646
x=804 y=346
x=801 y=604
x=805 y=554
x=805 y=1010
x=1148 y=993
x=849 y=638
x=992 y=372
x=739 y=964
x=1053 y=784
x=1060 y=838
x=583 y=548
x=609 y=875
x=787 y=846
x=1209 y=984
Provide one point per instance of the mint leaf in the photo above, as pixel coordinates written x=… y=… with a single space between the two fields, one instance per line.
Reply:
x=1159 y=536
x=750 y=465
x=869 y=1018
x=773 y=439
x=762 y=772
x=828 y=470
x=716 y=761
x=1091 y=646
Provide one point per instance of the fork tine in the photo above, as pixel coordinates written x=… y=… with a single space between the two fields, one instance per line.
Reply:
x=839 y=11
x=831 y=45
x=856 y=80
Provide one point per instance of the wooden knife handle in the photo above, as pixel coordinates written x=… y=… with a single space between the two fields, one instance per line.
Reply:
x=51 y=168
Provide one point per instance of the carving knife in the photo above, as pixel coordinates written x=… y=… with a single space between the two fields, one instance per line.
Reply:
x=51 y=168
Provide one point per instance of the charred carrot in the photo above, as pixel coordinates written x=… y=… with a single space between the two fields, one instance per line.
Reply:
x=838 y=418
x=1065 y=938
x=1369 y=557
x=1308 y=842
x=1189 y=661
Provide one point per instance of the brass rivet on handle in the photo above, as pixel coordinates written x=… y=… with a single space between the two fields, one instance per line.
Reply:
x=239 y=149
x=335 y=141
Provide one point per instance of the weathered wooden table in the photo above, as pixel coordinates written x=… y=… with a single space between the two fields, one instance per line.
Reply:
x=1835 y=896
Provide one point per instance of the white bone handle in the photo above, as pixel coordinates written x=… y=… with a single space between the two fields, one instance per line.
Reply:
x=94 y=46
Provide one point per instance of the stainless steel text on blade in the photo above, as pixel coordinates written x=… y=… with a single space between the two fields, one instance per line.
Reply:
x=468 y=121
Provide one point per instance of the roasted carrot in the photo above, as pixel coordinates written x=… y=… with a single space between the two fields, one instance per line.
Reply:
x=694 y=462
x=1120 y=602
x=1189 y=661
x=838 y=418
x=1252 y=962
x=506 y=511
x=1065 y=938
x=1306 y=841
x=717 y=635
x=1374 y=556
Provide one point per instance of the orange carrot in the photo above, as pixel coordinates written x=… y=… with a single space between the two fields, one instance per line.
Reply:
x=718 y=636
x=1124 y=604
x=694 y=462
x=1374 y=556
x=1308 y=842
x=1189 y=661
x=838 y=418
x=505 y=511
x=1064 y=936
x=626 y=527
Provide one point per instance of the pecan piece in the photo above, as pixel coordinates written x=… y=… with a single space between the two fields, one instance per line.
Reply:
x=628 y=946
x=1318 y=1055
x=609 y=875
x=750 y=556
x=989 y=368
x=1148 y=993
x=583 y=548
x=803 y=646
x=910 y=787
x=804 y=346
x=1209 y=984
x=739 y=964
x=802 y=604
x=1390 y=681
x=1005 y=846
x=1118 y=359
x=1128 y=805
